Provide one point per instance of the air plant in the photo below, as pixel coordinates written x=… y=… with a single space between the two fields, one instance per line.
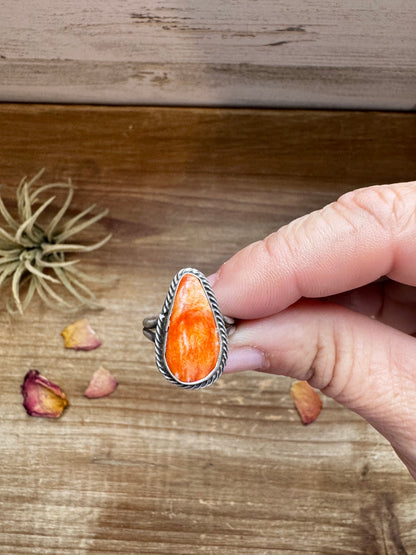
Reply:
x=33 y=254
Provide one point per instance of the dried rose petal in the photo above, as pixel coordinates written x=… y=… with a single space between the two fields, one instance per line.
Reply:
x=307 y=401
x=42 y=397
x=102 y=383
x=80 y=336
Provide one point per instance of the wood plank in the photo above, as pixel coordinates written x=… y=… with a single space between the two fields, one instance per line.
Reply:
x=152 y=468
x=278 y=54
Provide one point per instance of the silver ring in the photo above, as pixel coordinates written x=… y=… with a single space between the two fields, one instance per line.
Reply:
x=190 y=333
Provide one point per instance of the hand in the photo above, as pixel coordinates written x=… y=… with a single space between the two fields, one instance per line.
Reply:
x=313 y=307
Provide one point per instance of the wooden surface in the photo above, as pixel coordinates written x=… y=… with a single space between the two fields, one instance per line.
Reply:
x=153 y=468
x=286 y=53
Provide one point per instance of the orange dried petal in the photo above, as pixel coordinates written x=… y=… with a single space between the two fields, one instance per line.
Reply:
x=42 y=397
x=80 y=336
x=307 y=401
x=102 y=384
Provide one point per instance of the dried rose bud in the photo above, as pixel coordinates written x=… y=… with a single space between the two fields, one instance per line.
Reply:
x=80 y=336
x=307 y=401
x=102 y=383
x=42 y=397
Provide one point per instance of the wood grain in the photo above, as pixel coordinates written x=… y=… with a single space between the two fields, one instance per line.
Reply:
x=289 y=53
x=152 y=468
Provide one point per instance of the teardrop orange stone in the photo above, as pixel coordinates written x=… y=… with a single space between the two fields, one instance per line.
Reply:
x=192 y=344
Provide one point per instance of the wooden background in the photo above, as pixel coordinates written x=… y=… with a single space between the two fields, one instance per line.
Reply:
x=153 y=468
x=280 y=53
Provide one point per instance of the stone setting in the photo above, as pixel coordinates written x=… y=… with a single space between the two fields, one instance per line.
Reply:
x=191 y=337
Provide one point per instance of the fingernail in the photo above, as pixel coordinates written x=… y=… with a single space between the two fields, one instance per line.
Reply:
x=245 y=358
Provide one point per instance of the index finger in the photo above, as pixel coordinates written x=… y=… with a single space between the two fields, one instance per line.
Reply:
x=365 y=234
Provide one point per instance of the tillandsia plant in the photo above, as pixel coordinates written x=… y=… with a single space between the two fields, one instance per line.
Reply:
x=33 y=249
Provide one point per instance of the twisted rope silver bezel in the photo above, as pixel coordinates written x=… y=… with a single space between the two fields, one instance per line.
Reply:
x=163 y=326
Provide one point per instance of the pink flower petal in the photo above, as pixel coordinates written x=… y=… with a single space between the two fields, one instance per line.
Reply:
x=307 y=401
x=80 y=336
x=42 y=397
x=102 y=383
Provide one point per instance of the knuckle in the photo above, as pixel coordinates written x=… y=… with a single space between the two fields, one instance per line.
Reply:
x=392 y=207
x=278 y=243
x=333 y=367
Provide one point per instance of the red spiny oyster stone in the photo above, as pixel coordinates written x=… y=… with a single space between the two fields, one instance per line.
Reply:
x=192 y=344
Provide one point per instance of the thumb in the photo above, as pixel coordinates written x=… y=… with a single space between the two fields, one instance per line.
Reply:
x=361 y=363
